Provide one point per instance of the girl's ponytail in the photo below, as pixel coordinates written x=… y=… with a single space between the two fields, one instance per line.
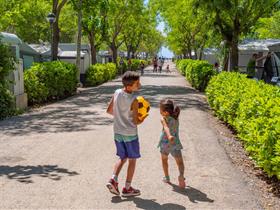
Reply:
x=176 y=112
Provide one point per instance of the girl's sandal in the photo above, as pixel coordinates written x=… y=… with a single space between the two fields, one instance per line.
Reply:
x=166 y=179
x=182 y=183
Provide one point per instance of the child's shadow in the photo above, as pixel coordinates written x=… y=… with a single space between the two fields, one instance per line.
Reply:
x=148 y=204
x=193 y=194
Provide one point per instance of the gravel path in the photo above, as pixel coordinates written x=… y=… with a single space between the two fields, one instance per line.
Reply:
x=60 y=156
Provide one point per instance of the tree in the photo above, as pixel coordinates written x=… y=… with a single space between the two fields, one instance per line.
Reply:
x=152 y=42
x=116 y=17
x=94 y=24
x=56 y=10
x=234 y=18
x=18 y=15
x=187 y=30
x=269 y=27
x=135 y=27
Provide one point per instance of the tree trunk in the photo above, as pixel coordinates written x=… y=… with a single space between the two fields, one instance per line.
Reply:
x=79 y=38
x=55 y=41
x=225 y=62
x=92 y=48
x=201 y=53
x=234 y=55
x=128 y=52
x=56 y=9
x=114 y=52
x=132 y=54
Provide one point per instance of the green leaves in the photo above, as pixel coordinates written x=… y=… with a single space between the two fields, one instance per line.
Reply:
x=253 y=109
x=99 y=73
x=198 y=73
x=7 y=101
x=50 y=80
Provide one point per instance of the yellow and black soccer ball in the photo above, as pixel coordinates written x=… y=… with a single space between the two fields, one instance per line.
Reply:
x=143 y=107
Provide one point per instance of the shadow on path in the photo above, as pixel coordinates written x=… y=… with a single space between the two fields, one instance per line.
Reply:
x=149 y=204
x=193 y=194
x=24 y=173
x=78 y=113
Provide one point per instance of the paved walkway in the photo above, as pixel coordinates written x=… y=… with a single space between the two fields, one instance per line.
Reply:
x=61 y=155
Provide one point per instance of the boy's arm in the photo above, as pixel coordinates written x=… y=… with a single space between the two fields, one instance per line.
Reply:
x=110 y=106
x=166 y=130
x=134 y=107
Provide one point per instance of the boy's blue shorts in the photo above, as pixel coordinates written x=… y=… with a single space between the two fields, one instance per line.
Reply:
x=127 y=146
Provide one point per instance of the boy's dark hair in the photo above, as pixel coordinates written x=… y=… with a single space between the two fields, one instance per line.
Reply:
x=168 y=106
x=129 y=78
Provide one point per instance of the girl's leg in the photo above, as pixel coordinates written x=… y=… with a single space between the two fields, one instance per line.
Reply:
x=164 y=161
x=181 y=167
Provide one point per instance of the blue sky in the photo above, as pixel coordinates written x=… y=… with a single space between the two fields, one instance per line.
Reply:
x=164 y=51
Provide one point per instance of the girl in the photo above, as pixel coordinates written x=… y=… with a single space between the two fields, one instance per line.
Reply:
x=169 y=140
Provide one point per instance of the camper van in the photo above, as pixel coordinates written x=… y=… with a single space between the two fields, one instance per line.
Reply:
x=261 y=48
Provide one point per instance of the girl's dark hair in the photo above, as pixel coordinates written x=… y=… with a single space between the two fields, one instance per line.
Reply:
x=167 y=105
x=129 y=78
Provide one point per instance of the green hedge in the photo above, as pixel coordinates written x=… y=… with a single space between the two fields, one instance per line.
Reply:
x=7 y=100
x=50 y=80
x=253 y=109
x=100 y=73
x=182 y=65
x=197 y=72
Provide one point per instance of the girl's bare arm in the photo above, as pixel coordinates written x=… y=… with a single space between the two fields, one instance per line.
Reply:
x=167 y=130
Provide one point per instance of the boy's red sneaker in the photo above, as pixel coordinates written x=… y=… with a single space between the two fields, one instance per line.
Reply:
x=130 y=192
x=112 y=185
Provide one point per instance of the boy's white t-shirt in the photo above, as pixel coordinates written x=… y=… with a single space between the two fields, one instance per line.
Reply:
x=123 y=120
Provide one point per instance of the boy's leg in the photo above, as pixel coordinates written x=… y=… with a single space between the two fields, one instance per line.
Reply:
x=112 y=185
x=130 y=169
x=133 y=152
x=128 y=190
x=118 y=166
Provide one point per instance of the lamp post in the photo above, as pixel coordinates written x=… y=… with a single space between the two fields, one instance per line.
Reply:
x=51 y=18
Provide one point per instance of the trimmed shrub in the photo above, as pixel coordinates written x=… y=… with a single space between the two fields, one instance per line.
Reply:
x=7 y=100
x=253 y=109
x=49 y=81
x=197 y=72
x=100 y=73
x=182 y=65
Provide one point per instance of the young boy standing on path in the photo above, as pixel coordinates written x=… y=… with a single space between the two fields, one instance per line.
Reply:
x=124 y=107
x=169 y=140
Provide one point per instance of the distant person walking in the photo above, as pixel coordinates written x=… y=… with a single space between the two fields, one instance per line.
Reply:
x=155 y=64
x=142 y=66
x=167 y=69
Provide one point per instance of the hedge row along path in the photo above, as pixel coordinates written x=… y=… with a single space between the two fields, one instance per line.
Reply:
x=61 y=155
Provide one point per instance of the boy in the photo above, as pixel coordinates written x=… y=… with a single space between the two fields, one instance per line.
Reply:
x=124 y=107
